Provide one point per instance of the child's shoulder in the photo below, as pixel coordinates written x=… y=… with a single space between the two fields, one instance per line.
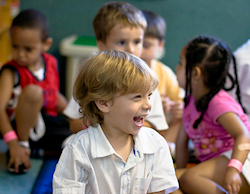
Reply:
x=161 y=67
x=85 y=136
x=50 y=61
x=80 y=136
x=149 y=141
x=243 y=49
x=48 y=56
x=9 y=65
x=147 y=134
x=223 y=103
x=222 y=96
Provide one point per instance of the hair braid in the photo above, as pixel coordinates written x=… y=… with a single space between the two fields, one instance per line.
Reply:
x=202 y=105
x=188 y=87
x=237 y=83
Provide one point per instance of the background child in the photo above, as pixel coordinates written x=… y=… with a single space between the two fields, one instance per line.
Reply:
x=120 y=26
x=172 y=95
x=213 y=120
x=29 y=87
x=113 y=90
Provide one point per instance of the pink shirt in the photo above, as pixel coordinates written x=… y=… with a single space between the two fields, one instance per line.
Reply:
x=210 y=138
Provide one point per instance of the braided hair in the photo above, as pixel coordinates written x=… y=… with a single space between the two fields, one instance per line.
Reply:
x=235 y=83
x=213 y=57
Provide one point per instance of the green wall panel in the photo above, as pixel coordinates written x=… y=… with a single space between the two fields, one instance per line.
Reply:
x=226 y=19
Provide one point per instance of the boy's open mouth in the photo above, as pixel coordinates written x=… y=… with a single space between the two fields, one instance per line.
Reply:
x=139 y=121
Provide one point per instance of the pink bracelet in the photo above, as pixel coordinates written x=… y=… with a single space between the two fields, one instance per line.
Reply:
x=236 y=164
x=9 y=136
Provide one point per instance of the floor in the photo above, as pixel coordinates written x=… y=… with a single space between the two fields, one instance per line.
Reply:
x=16 y=184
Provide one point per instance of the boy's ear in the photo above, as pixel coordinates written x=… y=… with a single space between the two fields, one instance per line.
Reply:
x=101 y=45
x=162 y=44
x=103 y=105
x=47 y=44
x=160 y=49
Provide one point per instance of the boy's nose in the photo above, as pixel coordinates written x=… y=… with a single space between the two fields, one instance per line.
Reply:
x=130 y=48
x=147 y=105
x=20 y=53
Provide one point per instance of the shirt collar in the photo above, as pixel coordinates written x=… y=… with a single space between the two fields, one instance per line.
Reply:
x=99 y=144
x=144 y=142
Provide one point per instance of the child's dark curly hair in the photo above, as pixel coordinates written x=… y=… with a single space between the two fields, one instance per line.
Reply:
x=213 y=57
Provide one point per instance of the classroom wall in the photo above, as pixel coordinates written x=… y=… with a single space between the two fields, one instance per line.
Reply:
x=227 y=19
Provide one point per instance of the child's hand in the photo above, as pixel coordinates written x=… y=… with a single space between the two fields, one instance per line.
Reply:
x=232 y=181
x=166 y=103
x=19 y=154
x=175 y=108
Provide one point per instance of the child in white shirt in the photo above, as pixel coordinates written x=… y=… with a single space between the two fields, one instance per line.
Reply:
x=116 y=154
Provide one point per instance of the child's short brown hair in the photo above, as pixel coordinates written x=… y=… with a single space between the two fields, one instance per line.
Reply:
x=106 y=75
x=33 y=19
x=156 y=25
x=117 y=12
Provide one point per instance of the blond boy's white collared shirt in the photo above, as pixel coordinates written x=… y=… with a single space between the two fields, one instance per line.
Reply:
x=89 y=164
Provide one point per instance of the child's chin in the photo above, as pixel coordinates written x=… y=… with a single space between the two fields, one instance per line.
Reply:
x=135 y=132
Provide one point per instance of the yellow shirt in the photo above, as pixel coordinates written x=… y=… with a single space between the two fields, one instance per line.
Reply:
x=168 y=84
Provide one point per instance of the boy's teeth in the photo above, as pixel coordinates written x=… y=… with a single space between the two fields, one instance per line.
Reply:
x=138 y=119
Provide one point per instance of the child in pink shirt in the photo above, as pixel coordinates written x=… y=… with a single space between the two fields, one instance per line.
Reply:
x=213 y=120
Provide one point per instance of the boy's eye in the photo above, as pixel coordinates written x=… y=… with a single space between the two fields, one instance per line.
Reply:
x=136 y=42
x=146 y=45
x=121 y=42
x=138 y=96
x=14 y=46
x=149 y=96
x=28 y=49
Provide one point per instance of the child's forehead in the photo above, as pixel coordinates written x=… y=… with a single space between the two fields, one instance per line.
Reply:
x=22 y=32
x=118 y=27
x=26 y=30
x=30 y=30
x=127 y=24
x=151 y=39
x=136 y=91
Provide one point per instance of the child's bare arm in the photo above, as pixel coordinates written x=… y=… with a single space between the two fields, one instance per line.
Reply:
x=6 y=86
x=61 y=102
x=237 y=129
x=17 y=153
x=181 y=148
x=75 y=125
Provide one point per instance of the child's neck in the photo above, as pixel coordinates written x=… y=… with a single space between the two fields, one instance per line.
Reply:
x=121 y=142
x=38 y=65
x=150 y=63
x=122 y=148
x=199 y=93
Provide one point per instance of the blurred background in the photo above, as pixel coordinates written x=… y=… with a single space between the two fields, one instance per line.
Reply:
x=228 y=20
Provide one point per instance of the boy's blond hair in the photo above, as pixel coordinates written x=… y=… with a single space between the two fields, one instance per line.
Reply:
x=117 y=12
x=106 y=75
